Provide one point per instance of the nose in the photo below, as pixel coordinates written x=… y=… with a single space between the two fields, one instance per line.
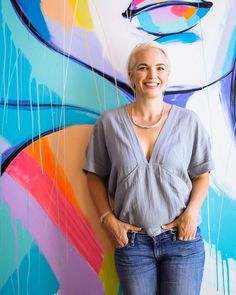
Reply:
x=152 y=73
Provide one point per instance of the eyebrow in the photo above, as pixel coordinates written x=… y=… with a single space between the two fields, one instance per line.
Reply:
x=160 y=64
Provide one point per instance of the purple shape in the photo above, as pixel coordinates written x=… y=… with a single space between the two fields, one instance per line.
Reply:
x=73 y=273
x=73 y=45
x=163 y=15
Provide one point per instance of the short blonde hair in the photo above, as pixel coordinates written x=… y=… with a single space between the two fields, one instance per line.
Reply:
x=139 y=47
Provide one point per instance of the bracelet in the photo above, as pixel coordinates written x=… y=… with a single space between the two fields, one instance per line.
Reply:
x=102 y=217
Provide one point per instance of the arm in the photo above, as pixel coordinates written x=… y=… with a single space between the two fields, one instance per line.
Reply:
x=118 y=229
x=187 y=221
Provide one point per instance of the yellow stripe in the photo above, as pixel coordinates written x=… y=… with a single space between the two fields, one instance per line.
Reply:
x=108 y=274
x=82 y=14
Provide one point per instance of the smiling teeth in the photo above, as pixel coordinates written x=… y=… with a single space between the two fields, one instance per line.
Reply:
x=152 y=84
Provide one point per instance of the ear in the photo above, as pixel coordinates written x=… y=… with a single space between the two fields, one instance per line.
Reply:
x=130 y=75
x=131 y=79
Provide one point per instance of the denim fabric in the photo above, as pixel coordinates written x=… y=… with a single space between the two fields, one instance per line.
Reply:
x=161 y=265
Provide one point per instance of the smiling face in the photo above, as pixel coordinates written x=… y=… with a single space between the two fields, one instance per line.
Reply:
x=150 y=73
x=206 y=47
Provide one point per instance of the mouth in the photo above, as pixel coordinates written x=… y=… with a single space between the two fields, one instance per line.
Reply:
x=162 y=18
x=151 y=84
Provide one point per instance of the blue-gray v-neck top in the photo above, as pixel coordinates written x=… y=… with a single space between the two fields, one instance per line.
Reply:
x=149 y=193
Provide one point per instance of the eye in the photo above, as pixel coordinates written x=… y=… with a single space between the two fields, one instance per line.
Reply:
x=166 y=17
x=160 y=68
x=142 y=68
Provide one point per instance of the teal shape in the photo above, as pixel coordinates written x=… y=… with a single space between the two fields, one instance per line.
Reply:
x=34 y=277
x=181 y=37
x=15 y=243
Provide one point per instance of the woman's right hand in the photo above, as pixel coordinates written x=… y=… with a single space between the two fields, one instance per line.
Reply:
x=119 y=229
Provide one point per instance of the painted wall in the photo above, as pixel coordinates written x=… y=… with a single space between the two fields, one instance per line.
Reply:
x=62 y=63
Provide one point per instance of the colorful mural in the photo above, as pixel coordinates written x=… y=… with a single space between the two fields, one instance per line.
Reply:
x=62 y=63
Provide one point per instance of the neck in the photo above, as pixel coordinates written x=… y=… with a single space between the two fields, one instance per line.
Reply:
x=148 y=108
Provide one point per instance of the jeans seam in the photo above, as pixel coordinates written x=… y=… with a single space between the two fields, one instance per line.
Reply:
x=132 y=239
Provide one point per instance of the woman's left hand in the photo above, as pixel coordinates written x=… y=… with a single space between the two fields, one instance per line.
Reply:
x=186 y=224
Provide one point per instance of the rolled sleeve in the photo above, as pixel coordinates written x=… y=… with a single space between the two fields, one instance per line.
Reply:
x=201 y=158
x=200 y=169
x=97 y=158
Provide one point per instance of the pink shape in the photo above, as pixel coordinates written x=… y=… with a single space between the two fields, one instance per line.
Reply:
x=74 y=226
x=179 y=10
x=135 y=3
x=73 y=273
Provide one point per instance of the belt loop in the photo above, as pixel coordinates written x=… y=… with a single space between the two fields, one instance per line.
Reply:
x=174 y=233
x=174 y=236
x=132 y=238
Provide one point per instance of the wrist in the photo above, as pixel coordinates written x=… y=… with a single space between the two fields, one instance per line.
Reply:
x=104 y=216
x=110 y=221
x=193 y=211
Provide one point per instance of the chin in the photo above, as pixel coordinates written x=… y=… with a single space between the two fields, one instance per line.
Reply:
x=153 y=96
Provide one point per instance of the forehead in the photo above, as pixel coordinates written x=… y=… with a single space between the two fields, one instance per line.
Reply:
x=150 y=55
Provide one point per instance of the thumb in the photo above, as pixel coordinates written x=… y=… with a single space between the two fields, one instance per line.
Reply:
x=134 y=228
x=169 y=225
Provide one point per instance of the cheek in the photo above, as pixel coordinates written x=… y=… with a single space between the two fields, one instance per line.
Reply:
x=139 y=76
x=134 y=79
x=165 y=78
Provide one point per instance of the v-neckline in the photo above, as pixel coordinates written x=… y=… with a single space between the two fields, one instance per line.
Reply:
x=158 y=139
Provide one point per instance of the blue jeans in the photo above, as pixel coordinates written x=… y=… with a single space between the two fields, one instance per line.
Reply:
x=162 y=265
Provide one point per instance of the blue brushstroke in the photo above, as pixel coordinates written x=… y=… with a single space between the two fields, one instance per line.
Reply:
x=41 y=279
x=179 y=38
x=231 y=53
x=26 y=93
x=228 y=99
x=15 y=242
x=32 y=10
x=179 y=99
x=30 y=91
x=1 y=48
x=220 y=215
x=222 y=220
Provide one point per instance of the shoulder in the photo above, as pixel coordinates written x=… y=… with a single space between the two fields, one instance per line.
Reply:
x=187 y=115
x=184 y=112
x=111 y=115
x=108 y=114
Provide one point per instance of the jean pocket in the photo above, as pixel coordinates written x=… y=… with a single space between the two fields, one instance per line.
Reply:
x=198 y=237
x=123 y=247
x=131 y=237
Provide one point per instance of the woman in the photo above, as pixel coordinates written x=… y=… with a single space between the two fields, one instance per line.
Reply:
x=156 y=158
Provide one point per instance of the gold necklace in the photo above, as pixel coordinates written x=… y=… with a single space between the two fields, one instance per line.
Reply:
x=147 y=126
